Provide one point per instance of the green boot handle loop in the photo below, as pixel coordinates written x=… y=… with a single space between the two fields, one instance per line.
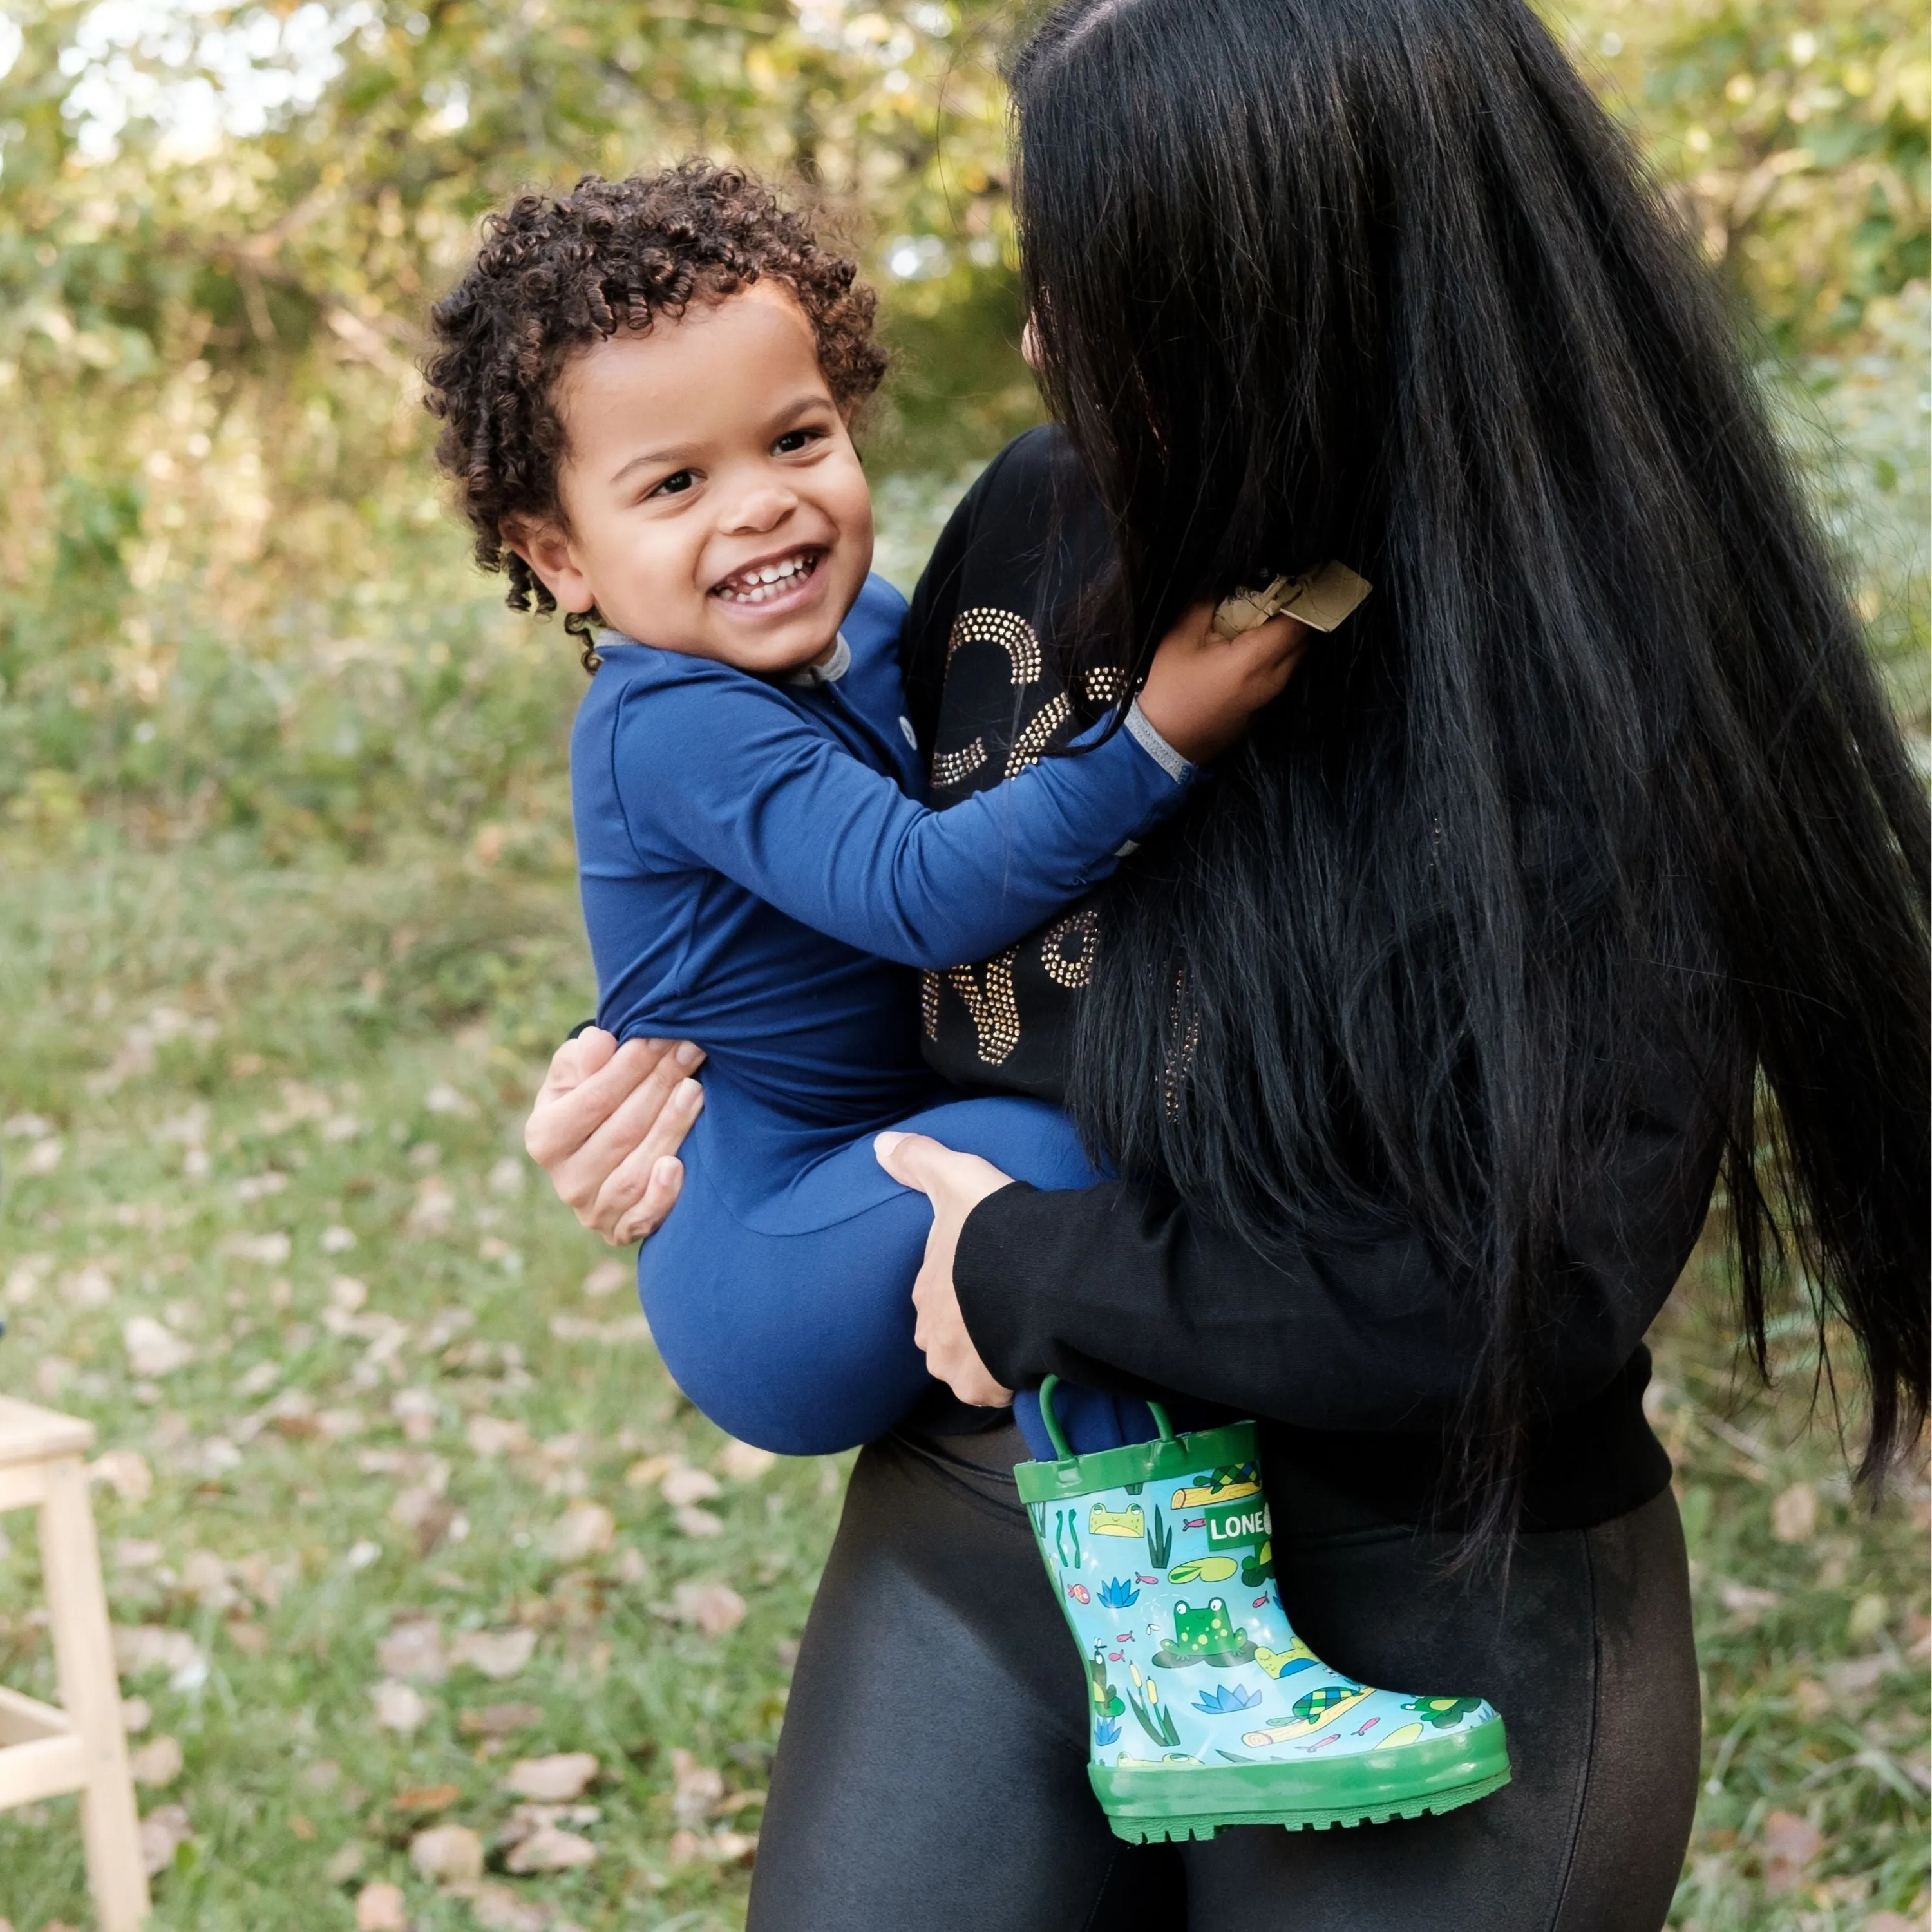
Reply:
x=1054 y=1435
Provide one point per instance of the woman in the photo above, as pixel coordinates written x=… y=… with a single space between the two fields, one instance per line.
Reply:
x=1585 y=863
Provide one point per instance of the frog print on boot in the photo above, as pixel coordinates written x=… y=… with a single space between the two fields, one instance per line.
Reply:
x=1207 y=1709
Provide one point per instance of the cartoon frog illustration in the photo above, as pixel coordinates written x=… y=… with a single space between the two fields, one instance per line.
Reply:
x=1444 y=1713
x=1206 y=1636
x=1102 y=1521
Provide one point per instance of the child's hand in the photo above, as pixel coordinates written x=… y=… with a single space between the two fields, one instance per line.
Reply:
x=1202 y=690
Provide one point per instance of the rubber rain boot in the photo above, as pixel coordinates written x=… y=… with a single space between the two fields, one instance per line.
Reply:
x=1207 y=1709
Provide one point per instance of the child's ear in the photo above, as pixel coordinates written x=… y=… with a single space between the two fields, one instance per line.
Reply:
x=545 y=546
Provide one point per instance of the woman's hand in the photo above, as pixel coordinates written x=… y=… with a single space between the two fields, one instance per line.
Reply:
x=606 y=1126
x=956 y=1183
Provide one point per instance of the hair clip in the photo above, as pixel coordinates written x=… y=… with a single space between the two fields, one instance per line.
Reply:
x=1320 y=598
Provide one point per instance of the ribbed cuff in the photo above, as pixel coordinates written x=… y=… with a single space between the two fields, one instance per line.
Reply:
x=1140 y=728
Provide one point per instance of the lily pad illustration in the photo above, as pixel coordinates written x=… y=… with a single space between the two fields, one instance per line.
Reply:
x=1203 y=1569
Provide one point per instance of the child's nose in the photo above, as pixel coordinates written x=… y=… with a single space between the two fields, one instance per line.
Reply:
x=760 y=509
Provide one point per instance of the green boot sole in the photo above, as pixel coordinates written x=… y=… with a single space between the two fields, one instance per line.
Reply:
x=1434 y=1775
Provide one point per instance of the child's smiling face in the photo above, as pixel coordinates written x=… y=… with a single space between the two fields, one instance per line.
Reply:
x=713 y=501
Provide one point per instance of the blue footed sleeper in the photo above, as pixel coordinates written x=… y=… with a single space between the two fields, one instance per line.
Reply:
x=759 y=875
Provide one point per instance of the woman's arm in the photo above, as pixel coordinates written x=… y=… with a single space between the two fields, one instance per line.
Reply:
x=1120 y=1291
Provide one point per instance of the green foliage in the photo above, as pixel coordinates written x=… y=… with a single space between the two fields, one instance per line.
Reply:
x=1796 y=133
x=229 y=594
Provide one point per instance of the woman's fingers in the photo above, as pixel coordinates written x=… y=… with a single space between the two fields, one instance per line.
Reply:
x=660 y=1197
x=917 y=1160
x=597 y=1133
x=956 y=1183
x=633 y=1198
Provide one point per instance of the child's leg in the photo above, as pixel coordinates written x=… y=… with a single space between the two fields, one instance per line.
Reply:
x=786 y=1315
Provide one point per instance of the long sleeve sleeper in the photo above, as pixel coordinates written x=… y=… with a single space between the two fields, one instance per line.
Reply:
x=759 y=874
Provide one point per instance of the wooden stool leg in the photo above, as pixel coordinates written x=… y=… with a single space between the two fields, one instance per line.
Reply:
x=90 y=1691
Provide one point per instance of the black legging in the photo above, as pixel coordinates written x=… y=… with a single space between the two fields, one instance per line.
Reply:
x=931 y=1776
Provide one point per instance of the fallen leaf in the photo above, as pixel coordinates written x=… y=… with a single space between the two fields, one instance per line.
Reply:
x=489 y=1436
x=159 y=1762
x=712 y=1608
x=681 y=1484
x=695 y=1787
x=125 y=1472
x=435 y=1206
x=428 y=1797
x=448 y=1854
x=153 y=1348
x=499 y=1721
x=498 y=1654
x=1790 y=1843
x=1856 y=1677
x=204 y=1577
x=337 y=1240
x=162 y=1833
x=584 y=1529
x=400 y=1708
x=43 y=1156
x=346 y=1864
x=689 y=1847
x=550 y=1848
x=379 y=1908
x=1747 y=1603
x=641 y=1475
x=1794 y=1516
x=744 y=1461
x=698 y=1522
x=270 y=1250
x=1892 y=1921
x=137 y=1714
x=89 y=1287
x=413 y=1651
x=497 y=1909
x=417 y=1410
x=555 y=1780
x=525 y=1819
x=1812 y=1700
x=142 y=1648
x=607 y=1278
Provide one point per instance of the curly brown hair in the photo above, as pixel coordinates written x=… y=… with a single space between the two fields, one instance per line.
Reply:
x=556 y=274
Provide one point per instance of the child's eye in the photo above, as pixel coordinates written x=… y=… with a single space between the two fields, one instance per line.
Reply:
x=794 y=440
x=675 y=485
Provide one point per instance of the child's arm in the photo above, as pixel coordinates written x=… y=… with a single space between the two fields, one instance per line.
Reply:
x=721 y=768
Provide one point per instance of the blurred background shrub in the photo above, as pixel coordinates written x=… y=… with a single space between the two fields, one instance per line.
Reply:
x=231 y=597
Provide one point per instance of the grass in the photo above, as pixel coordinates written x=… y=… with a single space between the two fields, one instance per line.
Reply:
x=233 y=1090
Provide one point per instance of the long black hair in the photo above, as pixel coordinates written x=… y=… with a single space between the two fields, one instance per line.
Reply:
x=1601 y=759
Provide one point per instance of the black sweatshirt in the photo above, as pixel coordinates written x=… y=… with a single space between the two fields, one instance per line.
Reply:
x=1354 y=1356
